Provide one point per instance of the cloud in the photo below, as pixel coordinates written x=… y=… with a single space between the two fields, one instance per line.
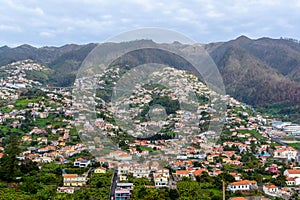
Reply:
x=80 y=21
x=9 y=28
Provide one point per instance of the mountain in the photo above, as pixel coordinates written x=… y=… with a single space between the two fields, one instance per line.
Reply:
x=253 y=71
x=64 y=60
x=263 y=72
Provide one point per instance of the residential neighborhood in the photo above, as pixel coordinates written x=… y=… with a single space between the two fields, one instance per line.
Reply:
x=254 y=155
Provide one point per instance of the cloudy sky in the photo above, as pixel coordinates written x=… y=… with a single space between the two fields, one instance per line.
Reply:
x=58 y=22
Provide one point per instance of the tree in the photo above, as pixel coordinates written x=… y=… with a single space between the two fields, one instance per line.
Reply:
x=279 y=181
x=141 y=192
x=225 y=176
x=31 y=184
x=28 y=165
x=101 y=180
x=9 y=168
x=188 y=189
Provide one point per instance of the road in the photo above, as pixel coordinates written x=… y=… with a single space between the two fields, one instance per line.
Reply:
x=113 y=185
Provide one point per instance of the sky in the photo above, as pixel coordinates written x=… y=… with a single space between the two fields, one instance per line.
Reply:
x=59 y=22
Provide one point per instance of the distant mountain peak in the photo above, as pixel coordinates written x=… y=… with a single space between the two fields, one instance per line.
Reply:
x=25 y=46
x=243 y=37
x=5 y=47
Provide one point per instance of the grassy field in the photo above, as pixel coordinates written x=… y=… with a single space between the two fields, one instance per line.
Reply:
x=22 y=103
x=295 y=145
x=252 y=132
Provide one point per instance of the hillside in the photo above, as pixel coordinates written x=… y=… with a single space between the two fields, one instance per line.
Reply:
x=63 y=60
x=264 y=72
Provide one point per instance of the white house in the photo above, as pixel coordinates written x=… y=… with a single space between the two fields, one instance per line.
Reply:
x=82 y=163
x=243 y=185
x=74 y=180
x=123 y=168
x=292 y=173
x=270 y=189
x=141 y=171
x=164 y=171
x=161 y=181
x=283 y=152
x=69 y=190
x=290 y=181
x=183 y=173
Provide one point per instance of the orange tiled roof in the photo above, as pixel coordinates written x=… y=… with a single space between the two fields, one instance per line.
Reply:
x=290 y=179
x=198 y=172
x=243 y=182
x=270 y=186
x=293 y=171
x=70 y=175
x=181 y=172
x=238 y=198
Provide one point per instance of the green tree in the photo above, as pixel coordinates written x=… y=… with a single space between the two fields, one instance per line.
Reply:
x=9 y=168
x=188 y=190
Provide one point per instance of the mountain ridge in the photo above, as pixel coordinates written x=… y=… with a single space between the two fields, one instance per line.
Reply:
x=256 y=71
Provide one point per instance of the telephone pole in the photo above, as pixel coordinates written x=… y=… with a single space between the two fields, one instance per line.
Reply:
x=223 y=185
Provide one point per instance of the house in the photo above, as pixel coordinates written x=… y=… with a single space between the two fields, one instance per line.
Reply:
x=182 y=173
x=198 y=172
x=123 y=168
x=43 y=115
x=242 y=185
x=161 y=181
x=237 y=177
x=270 y=189
x=120 y=155
x=81 y=163
x=161 y=177
x=292 y=173
x=283 y=152
x=69 y=190
x=46 y=159
x=100 y=170
x=74 y=180
x=290 y=181
x=141 y=171
x=163 y=171
x=127 y=186
x=123 y=191
x=122 y=194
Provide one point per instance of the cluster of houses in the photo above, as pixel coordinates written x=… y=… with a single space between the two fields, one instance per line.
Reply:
x=14 y=77
x=180 y=154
